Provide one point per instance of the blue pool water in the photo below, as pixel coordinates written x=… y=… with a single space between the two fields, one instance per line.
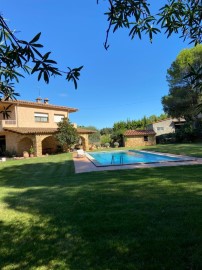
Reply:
x=128 y=157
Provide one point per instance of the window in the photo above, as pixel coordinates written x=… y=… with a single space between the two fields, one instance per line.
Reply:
x=160 y=128
x=145 y=138
x=41 y=117
x=58 y=118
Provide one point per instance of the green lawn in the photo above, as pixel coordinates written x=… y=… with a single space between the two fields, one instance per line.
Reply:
x=194 y=149
x=51 y=218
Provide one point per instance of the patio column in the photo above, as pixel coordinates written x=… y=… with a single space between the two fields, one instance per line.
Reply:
x=86 y=144
x=84 y=139
x=38 y=145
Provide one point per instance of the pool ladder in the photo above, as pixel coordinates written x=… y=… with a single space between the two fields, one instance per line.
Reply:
x=113 y=161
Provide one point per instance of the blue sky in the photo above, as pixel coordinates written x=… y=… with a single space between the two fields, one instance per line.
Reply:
x=125 y=82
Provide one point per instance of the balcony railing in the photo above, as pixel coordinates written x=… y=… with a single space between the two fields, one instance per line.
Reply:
x=8 y=123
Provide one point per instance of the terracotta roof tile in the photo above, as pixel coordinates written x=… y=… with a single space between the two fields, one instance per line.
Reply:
x=85 y=131
x=139 y=132
x=27 y=130
x=37 y=104
x=30 y=130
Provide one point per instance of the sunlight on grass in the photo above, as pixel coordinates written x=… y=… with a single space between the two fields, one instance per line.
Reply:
x=194 y=149
x=51 y=218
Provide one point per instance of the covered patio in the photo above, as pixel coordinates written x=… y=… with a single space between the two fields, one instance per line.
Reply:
x=42 y=140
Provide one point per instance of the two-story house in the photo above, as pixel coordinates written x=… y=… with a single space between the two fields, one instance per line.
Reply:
x=33 y=124
x=169 y=125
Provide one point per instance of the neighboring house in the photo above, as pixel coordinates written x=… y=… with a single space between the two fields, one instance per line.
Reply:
x=169 y=125
x=134 y=138
x=33 y=124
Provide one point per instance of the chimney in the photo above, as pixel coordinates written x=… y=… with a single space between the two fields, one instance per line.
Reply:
x=46 y=100
x=38 y=100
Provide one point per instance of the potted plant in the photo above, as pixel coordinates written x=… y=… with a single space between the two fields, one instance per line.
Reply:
x=107 y=144
x=25 y=154
x=116 y=144
x=31 y=151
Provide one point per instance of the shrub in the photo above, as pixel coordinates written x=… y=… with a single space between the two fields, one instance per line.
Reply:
x=66 y=135
x=97 y=145
x=107 y=144
x=166 y=138
x=116 y=144
x=10 y=153
x=31 y=150
x=186 y=133
x=105 y=139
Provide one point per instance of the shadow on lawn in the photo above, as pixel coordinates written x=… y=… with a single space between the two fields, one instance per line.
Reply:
x=132 y=219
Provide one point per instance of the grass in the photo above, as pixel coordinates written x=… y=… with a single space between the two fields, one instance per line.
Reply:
x=193 y=149
x=51 y=218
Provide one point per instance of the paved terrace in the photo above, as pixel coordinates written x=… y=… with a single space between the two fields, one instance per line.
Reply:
x=83 y=164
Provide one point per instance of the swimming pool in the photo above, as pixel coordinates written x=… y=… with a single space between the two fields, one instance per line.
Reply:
x=130 y=157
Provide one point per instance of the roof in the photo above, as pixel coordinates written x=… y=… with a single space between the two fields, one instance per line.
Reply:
x=137 y=132
x=27 y=130
x=39 y=105
x=85 y=131
x=30 y=130
x=167 y=119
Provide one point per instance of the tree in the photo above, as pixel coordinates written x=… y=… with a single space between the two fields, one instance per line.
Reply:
x=184 y=97
x=66 y=135
x=180 y=102
x=6 y=112
x=105 y=139
x=94 y=137
x=180 y=68
x=18 y=57
x=117 y=136
x=106 y=130
x=175 y=16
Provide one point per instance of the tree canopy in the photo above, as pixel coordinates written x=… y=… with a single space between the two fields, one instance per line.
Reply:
x=18 y=57
x=94 y=137
x=138 y=124
x=184 y=98
x=67 y=134
x=175 y=16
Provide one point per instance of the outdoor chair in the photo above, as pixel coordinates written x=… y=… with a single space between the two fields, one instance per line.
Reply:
x=80 y=153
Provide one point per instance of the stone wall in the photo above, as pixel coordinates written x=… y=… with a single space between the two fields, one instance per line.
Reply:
x=133 y=141
x=84 y=138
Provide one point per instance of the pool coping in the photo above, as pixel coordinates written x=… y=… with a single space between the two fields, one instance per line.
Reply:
x=83 y=164
x=98 y=164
